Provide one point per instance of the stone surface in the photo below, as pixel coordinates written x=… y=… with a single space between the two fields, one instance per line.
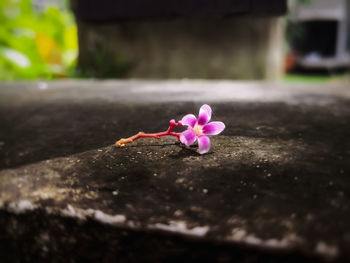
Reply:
x=274 y=187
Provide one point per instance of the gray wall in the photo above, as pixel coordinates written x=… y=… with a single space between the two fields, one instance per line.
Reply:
x=243 y=47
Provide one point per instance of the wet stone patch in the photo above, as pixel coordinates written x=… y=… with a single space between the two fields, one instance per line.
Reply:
x=274 y=186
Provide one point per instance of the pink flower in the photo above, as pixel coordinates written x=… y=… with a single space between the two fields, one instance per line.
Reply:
x=199 y=129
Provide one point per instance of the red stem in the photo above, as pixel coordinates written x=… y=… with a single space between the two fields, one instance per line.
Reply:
x=168 y=132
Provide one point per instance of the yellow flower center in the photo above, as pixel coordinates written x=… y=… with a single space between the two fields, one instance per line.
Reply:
x=198 y=129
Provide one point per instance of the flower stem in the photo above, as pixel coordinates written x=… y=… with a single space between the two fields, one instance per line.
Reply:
x=168 y=132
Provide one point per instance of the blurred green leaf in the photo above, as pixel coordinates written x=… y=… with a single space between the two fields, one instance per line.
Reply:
x=36 y=43
x=17 y=58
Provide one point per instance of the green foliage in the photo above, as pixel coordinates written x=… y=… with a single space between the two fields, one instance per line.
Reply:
x=103 y=64
x=36 y=44
x=330 y=78
x=305 y=2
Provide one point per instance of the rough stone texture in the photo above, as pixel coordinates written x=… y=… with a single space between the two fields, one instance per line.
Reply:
x=274 y=187
x=239 y=47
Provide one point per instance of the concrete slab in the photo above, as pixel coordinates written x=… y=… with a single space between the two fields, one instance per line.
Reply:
x=274 y=187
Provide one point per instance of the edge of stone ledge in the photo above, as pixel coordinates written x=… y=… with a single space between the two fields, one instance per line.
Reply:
x=322 y=250
x=165 y=91
x=118 y=220
x=73 y=83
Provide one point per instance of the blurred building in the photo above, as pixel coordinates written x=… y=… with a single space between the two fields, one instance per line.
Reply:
x=235 y=39
x=319 y=33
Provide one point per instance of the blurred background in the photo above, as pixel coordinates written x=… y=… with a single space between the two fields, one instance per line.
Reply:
x=55 y=39
x=38 y=40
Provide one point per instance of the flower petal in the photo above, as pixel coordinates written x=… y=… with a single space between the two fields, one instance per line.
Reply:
x=213 y=128
x=188 y=137
x=203 y=144
x=189 y=120
x=204 y=114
